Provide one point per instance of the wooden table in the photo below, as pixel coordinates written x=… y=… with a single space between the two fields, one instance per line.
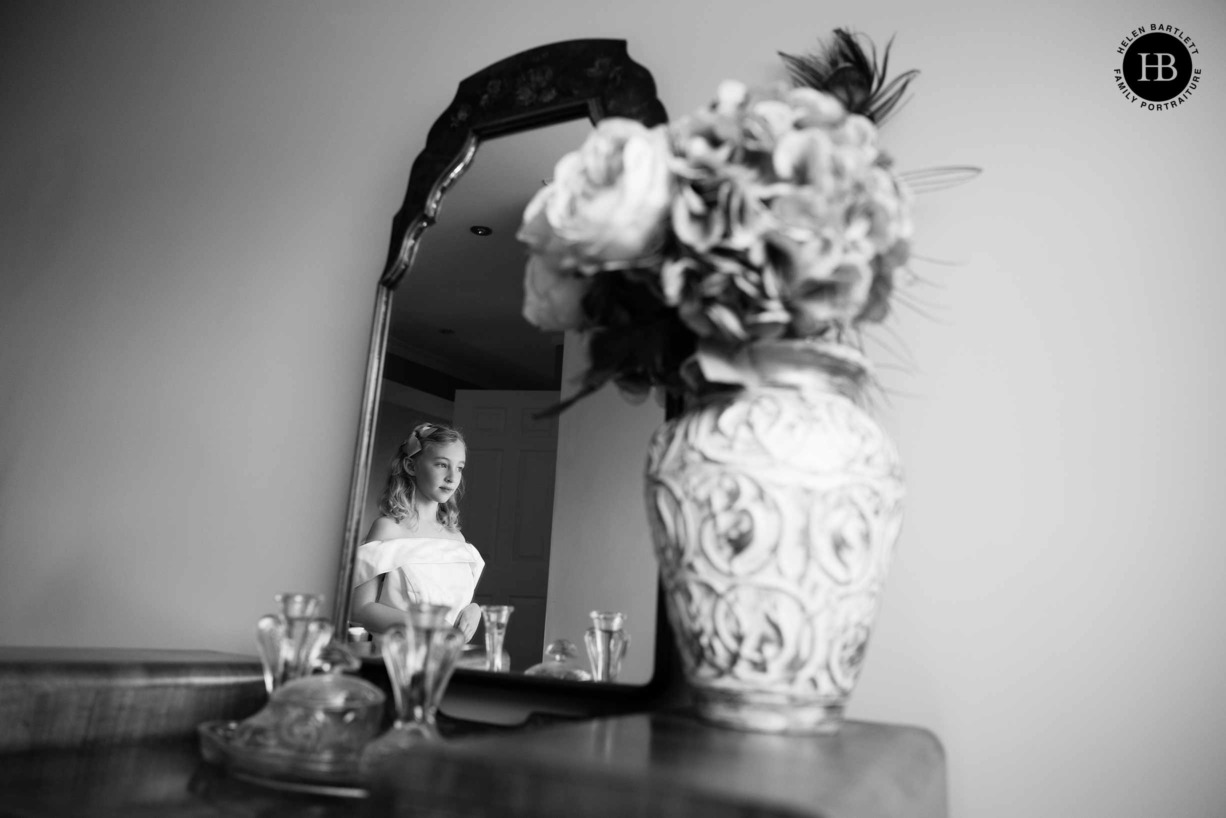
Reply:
x=150 y=778
x=670 y=764
x=81 y=735
x=73 y=697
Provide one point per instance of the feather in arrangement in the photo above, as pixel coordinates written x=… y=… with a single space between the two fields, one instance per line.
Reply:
x=843 y=70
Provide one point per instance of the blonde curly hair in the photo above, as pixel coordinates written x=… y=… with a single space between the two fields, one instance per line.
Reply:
x=398 y=496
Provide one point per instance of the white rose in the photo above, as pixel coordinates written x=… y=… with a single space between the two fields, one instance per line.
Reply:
x=553 y=286
x=608 y=202
x=553 y=298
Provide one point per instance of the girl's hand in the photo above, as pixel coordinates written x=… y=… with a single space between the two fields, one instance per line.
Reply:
x=469 y=618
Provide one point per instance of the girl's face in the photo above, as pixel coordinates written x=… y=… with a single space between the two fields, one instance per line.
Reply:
x=438 y=469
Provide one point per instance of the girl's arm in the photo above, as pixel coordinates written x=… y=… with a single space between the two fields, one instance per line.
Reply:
x=367 y=611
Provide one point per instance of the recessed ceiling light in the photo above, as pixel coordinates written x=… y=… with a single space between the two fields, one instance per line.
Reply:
x=481 y=230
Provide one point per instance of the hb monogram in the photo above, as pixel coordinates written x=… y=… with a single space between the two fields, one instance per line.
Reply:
x=1162 y=63
x=1157 y=71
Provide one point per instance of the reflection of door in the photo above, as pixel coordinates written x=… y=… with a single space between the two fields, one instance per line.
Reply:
x=507 y=508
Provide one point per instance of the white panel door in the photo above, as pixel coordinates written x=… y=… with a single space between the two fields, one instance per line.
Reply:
x=507 y=508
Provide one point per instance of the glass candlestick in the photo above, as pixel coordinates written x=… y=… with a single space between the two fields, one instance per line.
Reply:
x=495 y=618
x=607 y=642
x=289 y=642
x=420 y=659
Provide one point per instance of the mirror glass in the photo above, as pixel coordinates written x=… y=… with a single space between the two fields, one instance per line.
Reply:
x=554 y=505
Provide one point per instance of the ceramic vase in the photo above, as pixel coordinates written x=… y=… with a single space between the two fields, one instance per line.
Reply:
x=774 y=512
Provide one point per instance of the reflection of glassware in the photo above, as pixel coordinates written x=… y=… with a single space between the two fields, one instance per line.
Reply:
x=607 y=642
x=495 y=618
x=419 y=660
x=561 y=662
x=473 y=658
x=289 y=642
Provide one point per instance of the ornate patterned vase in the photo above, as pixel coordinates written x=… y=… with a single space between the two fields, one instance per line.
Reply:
x=774 y=513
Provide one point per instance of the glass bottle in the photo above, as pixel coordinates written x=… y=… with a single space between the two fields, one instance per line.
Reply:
x=495 y=618
x=289 y=642
x=607 y=642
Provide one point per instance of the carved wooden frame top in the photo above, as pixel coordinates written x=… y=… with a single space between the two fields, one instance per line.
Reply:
x=543 y=86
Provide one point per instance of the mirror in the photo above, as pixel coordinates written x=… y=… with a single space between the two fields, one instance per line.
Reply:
x=542 y=497
x=459 y=352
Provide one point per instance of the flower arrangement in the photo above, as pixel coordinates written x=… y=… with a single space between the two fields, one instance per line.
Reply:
x=770 y=215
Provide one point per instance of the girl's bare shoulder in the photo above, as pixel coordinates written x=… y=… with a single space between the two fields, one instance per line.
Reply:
x=386 y=528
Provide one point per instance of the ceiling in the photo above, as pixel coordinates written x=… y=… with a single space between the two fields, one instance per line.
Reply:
x=458 y=311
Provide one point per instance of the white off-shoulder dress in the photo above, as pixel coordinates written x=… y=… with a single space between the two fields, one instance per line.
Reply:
x=428 y=570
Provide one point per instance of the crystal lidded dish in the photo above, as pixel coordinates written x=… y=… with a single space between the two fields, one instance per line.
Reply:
x=312 y=730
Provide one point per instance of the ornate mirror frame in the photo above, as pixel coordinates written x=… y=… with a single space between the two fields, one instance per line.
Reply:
x=543 y=86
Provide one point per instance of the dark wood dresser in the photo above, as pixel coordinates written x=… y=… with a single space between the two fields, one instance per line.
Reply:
x=112 y=733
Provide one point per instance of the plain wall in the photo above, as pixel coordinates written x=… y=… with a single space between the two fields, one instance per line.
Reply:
x=194 y=208
x=602 y=556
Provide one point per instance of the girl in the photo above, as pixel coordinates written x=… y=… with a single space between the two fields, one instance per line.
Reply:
x=415 y=552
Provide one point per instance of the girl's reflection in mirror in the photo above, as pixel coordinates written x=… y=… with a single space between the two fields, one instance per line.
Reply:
x=415 y=551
